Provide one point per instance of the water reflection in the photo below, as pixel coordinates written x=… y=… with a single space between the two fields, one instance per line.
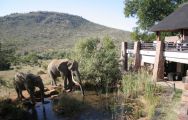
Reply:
x=89 y=107
x=44 y=111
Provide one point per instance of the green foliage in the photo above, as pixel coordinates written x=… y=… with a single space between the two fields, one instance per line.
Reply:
x=6 y=57
x=149 y=12
x=53 y=54
x=98 y=60
x=33 y=58
x=136 y=35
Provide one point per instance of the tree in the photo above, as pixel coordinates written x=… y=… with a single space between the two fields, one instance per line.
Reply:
x=98 y=61
x=150 y=12
x=6 y=57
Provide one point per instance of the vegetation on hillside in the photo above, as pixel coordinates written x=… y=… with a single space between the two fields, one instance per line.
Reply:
x=47 y=31
x=6 y=57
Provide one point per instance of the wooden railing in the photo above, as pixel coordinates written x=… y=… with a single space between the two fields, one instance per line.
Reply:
x=176 y=47
x=170 y=47
x=148 y=46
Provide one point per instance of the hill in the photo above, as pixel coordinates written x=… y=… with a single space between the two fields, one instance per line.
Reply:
x=41 y=31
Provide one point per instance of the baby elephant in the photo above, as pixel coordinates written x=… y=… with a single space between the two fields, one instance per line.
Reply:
x=28 y=81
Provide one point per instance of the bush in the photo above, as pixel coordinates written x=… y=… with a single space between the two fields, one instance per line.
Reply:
x=10 y=111
x=98 y=60
x=6 y=57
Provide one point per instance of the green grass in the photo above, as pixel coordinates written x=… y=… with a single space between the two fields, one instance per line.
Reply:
x=139 y=85
x=6 y=78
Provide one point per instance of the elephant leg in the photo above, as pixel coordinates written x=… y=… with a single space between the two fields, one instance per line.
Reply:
x=21 y=95
x=18 y=93
x=42 y=95
x=41 y=87
x=65 y=83
x=52 y=76
x=71 y=84
x=31 y=93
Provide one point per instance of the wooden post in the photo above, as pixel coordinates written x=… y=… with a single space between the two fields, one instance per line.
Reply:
x=137 y=59
x=124 y=58
x=158 y=36
x=179 y=67
x=158 y=71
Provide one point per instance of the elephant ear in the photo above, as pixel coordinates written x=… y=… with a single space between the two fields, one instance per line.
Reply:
x=70 y=64
x=62 y=65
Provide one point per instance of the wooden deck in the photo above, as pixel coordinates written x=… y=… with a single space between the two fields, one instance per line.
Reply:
x=171 y=53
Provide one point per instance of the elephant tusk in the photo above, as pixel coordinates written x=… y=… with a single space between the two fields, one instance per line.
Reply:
x=76 y=83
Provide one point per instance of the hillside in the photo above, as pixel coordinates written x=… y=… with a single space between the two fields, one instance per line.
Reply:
x=41 y=31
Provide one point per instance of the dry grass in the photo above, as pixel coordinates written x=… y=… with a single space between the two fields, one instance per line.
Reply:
x=6 y=79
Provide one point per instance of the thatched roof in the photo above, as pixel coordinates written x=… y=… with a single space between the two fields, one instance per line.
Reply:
x=175 y=21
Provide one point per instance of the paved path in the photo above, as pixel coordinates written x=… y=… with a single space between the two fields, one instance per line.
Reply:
x=183 y=110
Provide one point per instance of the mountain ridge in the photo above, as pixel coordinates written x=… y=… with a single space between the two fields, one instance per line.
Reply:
x=41 y=31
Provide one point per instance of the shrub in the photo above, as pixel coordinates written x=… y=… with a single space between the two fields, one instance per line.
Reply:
x=6 y=57
x=98 y=60
x=10 y=111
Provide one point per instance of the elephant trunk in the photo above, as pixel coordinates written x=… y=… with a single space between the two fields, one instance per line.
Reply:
x=75 y=82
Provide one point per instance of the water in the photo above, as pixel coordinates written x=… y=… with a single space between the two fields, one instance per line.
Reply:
x=92 y=107
x=44 y=111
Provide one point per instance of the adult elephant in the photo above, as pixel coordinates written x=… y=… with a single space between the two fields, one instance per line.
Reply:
x=66 y=69
x=28 y=81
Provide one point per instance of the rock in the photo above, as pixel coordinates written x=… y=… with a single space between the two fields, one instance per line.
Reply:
x=40 y=72
x=46 y=89
x=54 y=96
x=52 y=92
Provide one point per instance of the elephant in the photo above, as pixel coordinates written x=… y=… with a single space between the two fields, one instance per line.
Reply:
x=66 y=69
x=28 y=81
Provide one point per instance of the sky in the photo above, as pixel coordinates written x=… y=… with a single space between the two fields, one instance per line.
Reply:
x=104 y=12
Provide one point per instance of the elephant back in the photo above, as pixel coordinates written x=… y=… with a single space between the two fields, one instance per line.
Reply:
x=57 y=66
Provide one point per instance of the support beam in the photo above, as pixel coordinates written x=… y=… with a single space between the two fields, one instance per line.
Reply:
x=158 y=36
x=137 y=58
x=124 y=57
x=158 y=71
x=179 y=68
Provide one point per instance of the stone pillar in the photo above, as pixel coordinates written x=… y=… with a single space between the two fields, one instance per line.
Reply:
x=158 y=71
x=124 y=58
x=137 y=58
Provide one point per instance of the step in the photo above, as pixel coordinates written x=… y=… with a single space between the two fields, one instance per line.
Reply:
x=185 y=79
